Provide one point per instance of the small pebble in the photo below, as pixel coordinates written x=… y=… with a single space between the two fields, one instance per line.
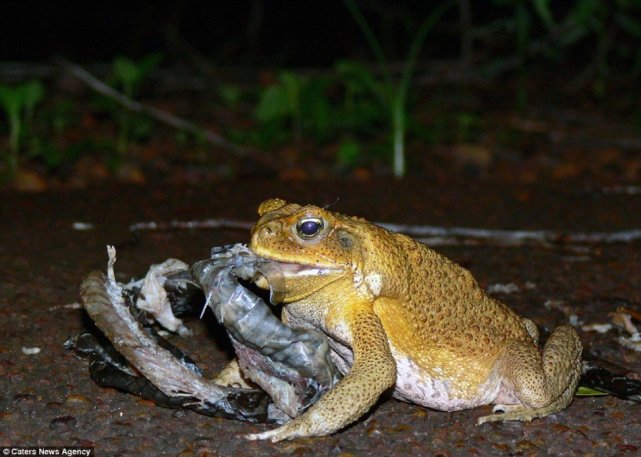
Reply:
x=78 y=401
x=82 y=226
x=76 y=398
x=30 y=351
x=499 y=288
x=599 y=328
x=24 y=398
x=62 y=423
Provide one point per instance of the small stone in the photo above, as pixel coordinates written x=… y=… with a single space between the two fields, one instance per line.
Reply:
x=29 y=181
x=63 y=423
x=78 y=402
x=76 y=398
x=24 y=398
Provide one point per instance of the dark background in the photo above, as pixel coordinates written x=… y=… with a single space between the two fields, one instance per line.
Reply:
x=257 y=32
x=524 y=94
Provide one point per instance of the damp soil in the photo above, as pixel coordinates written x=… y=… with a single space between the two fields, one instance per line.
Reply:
x=48 y=398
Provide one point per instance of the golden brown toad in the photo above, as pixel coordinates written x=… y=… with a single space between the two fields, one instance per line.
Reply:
x=399 y=315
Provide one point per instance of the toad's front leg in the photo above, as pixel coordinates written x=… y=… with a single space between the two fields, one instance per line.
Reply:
x=373 y=372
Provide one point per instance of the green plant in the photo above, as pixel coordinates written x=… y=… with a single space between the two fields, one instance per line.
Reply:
x=59 y=116
x=301 y=102
x=467 y=126
x=393 y=94
x=362 y=109
x=348 y=153
x=129 y=75
x=230 y=95
x=53 y=156
x=19 y=103
x=609 y=30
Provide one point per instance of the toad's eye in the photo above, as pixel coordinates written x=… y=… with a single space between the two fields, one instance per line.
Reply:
x=309 y=227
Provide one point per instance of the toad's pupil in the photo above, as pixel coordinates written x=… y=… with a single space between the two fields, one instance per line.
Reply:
x=309 y=228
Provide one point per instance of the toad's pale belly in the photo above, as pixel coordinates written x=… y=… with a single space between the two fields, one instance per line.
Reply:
x=415 y=386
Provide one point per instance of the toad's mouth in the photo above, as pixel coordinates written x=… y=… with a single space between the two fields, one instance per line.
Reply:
x=280 y=278
x=291 y=270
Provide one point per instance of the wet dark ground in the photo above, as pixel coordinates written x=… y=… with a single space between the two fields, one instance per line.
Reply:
x=49 y=399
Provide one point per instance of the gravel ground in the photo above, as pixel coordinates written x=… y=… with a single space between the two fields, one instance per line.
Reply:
x=48 y=398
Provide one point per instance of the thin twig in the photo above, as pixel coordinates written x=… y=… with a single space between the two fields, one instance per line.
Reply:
x=160 y=115
x=207 y=224
x=432 y=234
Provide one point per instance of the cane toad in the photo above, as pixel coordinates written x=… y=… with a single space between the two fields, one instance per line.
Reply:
x=400 y=316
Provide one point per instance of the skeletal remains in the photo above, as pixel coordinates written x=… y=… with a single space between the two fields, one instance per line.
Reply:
x=292 y=367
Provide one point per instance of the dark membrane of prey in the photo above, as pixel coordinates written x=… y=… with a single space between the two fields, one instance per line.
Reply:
x=292 y=366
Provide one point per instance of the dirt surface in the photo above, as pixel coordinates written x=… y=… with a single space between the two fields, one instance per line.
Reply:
x=49 y=399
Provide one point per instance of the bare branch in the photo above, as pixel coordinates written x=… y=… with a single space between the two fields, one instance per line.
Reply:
x=207 y=224
x=160 y=115
x=433 y=235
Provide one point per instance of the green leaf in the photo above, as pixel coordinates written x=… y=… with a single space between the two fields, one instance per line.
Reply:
x=349 y=151
x=542 y=8
x=572 y=35
x=149 y=64
x=12 y=100
x=359 y=79
x=50 y=155
x=18 y=103
x=33 y=92
x=126 y=71
x=131 y=74
x=589 y=392
x=273 y=104
x=372 y=41
x=229 y=94
x=586 y=13
x=292 y=85
x=629 y=24
x=315 y=109
x=582 y=391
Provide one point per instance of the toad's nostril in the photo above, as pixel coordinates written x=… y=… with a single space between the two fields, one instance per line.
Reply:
x=269 y=230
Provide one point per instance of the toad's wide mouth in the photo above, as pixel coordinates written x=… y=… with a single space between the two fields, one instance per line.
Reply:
x=279 y=276
x=295 y=269
x=299 y=269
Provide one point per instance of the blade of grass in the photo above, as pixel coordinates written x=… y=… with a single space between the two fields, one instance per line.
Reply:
x=372 y=41
x=399 y=105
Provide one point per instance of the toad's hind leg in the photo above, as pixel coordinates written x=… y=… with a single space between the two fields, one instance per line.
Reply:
x=543 y=385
